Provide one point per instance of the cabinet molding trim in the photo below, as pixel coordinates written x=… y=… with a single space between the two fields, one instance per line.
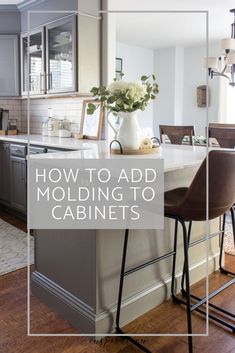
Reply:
x=63 y=301
x=8 y=8
x=26 y=4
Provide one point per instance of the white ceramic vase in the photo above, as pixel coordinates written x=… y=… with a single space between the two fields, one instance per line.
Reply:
x=129 y=133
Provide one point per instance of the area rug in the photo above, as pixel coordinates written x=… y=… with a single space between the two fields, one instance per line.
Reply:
x=229 y=246
x=13 y=248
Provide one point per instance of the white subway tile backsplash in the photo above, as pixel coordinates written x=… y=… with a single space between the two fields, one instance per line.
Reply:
x=71 y=108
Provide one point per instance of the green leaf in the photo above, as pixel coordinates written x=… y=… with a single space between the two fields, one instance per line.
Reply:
x=154 y=77
x=144 y=78
x=91 y=108
x=111 y=100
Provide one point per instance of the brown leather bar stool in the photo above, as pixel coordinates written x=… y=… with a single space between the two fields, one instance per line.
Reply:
x=186 y=205
x=225 y=135
x=176 y=134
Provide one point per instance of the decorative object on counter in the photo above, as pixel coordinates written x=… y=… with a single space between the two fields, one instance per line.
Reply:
x=9 y=126
x=64 y=128
x=45 y=128
x=49 y=122
x=125 y=99
x=12 y=132
x=64 y=133
x=129 y=133
x=148 y=146
x=146 y=143
x=53 y=124
x=4 y=117
x=12 y=124
x=78 y=136
x=92 y=119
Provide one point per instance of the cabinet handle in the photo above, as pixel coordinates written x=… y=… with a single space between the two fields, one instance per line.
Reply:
x=49 y=80
x=50 y=76
x=41 y=82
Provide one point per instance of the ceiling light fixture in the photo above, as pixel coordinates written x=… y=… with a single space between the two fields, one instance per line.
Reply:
x=225 y=64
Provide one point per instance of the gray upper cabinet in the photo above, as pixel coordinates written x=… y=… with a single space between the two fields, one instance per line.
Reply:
x=64 y=56
x=61 y=56
x=9 y=65
x=33 y=74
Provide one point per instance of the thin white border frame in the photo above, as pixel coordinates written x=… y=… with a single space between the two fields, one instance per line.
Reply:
x=29 y=334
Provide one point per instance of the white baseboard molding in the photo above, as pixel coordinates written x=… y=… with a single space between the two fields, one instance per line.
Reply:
x=147 y=299
x=83 y=317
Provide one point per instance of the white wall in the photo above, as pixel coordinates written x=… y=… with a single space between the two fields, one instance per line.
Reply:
x=137 y=61
x=179 y=85
x=164 y=107
x=179 y=72
x=195 y=75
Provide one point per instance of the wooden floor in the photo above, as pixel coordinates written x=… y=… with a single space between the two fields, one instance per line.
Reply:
x=167 y=317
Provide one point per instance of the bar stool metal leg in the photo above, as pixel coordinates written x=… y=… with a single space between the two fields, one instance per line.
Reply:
x=233 y=222
x=222 y=269
x=121 y=280
x=173 y=295
x=122 y=275
x=183 y=274
x=188 y=297
x=201 y=301
x=187 y=281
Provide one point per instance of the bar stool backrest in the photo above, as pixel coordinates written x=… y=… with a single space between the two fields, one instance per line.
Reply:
x=221 y=125
x=224 y=135
x=177 y=133
x=221 y=188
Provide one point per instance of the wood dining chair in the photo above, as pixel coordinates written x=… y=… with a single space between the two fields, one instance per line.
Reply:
x=221 y=125
x=224 y=135
x=176 y=133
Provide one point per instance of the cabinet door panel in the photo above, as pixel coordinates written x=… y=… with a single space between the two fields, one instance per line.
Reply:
x=18 y=184
x=9 y=65
x=61 y=56
x=33 y=75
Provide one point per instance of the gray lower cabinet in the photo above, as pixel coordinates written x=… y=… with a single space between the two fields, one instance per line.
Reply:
x=9 y=65
x=18 y=184
x=5 y=185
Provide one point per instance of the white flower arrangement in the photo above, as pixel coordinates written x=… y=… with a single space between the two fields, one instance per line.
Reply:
x=123 y=96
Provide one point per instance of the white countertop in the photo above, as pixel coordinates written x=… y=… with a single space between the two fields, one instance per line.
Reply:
x=175 y=156
x=56 y=142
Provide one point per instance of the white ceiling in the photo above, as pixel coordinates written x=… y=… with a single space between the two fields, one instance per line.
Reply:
x=164 y=30
x=10 y=2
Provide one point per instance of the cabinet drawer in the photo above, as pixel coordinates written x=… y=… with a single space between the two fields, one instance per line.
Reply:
x=37 y=150
x=18 y=150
